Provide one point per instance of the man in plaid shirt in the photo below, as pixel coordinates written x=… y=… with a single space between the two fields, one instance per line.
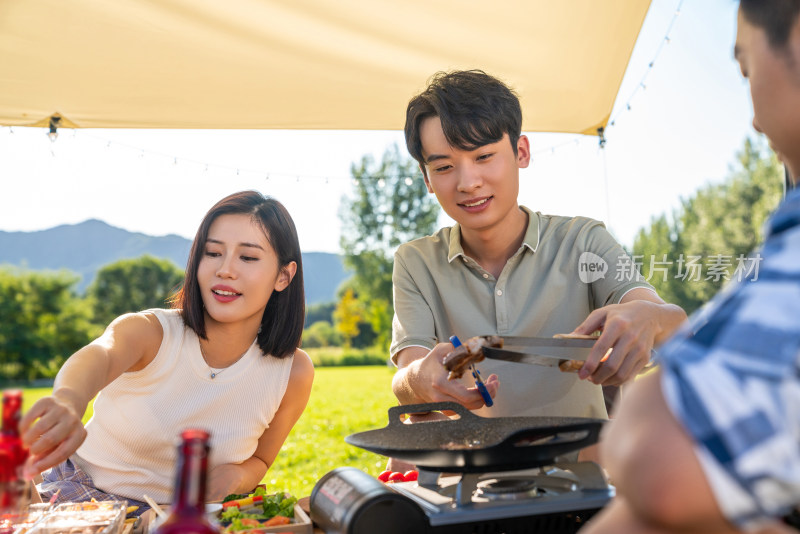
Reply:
x=711 y=441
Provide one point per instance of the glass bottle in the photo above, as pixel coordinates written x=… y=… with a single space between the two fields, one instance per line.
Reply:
x=13 y=487
x=188 y=508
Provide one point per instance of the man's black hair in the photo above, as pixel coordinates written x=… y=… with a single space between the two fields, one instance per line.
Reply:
x=775 y=17
x=475 y=109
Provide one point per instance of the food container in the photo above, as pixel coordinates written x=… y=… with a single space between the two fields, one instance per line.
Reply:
x=32 y=514
x=103 y=517
x=300 y=524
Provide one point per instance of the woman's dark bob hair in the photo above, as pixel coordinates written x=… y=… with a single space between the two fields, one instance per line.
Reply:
x=282 y=323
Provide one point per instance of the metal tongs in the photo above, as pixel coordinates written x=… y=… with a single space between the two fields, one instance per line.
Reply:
x=487 y=399
x=547 y=351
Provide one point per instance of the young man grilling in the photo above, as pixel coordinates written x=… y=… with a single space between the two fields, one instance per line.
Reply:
x=507 y=270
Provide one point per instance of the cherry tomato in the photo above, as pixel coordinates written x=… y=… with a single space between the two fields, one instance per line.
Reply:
x=410 y=476
x=384 y=476
x=396 y=477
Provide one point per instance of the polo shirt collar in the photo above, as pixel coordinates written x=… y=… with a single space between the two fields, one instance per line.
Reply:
x=531 y=239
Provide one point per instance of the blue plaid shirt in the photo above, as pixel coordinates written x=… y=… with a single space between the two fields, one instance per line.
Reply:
x=735 y=383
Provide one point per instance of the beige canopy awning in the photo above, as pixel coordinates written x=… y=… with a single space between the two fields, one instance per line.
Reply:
x=303 y=64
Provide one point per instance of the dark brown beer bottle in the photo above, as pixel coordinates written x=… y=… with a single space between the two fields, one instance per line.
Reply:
x=188 y=509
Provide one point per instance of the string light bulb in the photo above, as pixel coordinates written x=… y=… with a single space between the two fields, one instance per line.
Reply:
x=53 y=134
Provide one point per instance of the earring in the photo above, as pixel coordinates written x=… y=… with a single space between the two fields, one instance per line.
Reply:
x=259 y=329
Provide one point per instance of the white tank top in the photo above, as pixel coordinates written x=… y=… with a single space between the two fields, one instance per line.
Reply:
x=131 y=446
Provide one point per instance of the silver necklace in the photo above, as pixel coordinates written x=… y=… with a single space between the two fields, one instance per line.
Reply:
x=216 y=372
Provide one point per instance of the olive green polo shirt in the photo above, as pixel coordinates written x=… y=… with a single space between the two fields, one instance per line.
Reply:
x=566 y=268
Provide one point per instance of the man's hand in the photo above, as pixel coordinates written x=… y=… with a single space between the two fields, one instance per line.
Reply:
x=421 y=378
x=631 y=328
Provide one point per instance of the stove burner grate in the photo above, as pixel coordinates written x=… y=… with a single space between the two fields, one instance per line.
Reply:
x=511 y=489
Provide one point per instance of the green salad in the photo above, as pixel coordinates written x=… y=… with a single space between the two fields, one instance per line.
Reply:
x=255 y=506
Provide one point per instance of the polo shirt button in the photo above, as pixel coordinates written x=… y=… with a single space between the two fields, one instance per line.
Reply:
x=499 y=292
x=486 y=275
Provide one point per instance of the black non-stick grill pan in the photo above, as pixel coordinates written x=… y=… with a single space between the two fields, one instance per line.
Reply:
x=473 y=444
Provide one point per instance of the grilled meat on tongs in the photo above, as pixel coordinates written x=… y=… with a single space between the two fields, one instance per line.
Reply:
x=470 y=352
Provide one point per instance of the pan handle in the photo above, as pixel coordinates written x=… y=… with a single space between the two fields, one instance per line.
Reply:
x=589 y=435
x=396 y=411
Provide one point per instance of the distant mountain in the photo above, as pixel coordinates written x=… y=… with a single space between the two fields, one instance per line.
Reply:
x=86 y=247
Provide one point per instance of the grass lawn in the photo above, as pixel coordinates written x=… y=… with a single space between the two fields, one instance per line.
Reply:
x=343 y=400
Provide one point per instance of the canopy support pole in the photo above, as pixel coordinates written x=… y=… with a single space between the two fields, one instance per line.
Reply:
x=602 y=143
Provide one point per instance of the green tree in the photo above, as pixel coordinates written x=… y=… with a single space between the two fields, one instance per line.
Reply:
x=713 y=232
x=321 y=334
x=133 y=285
x=366 y=336
x=346 y=316
x=390 y=206
x=42 y=322
x=319 y=312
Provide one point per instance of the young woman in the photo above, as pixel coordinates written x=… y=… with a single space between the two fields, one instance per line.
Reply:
x=224 y=359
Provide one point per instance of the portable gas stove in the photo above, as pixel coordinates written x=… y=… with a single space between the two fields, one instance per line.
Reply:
x=549 y=499
x=476 y=476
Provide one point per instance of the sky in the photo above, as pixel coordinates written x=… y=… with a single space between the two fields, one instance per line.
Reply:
x=677 y=125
